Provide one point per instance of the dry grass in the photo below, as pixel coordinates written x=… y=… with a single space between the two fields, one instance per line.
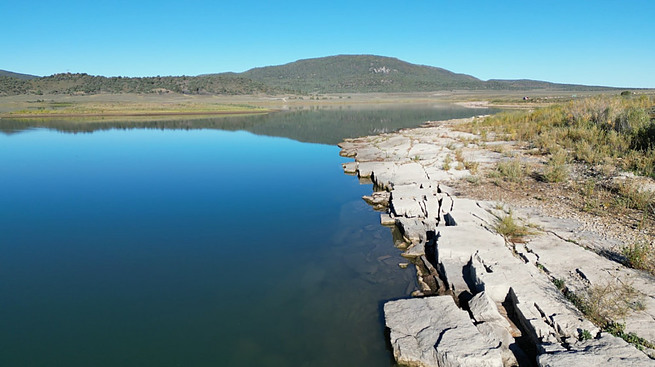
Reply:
x=510 y=170
x=556 y=170
x=594 y=130
x=509 y=227
x=640 y=255
x=55 y=109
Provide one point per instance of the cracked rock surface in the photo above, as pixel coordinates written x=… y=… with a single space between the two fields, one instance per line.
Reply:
x=484 y=300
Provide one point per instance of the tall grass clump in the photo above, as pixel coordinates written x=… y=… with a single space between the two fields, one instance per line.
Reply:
x=556 y=169
x=640 y=255
x=510 y=228
x=591 y=128
x=599 y=131
x=511 y=170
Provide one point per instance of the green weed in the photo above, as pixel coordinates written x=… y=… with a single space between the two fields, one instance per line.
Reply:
x=511 y=229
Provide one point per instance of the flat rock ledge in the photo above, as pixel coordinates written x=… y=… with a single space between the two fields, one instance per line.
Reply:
x=433 y=331
x=483 y=301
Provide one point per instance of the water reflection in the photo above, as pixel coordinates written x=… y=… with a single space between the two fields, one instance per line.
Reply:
x=209 y=247
x=324 y=126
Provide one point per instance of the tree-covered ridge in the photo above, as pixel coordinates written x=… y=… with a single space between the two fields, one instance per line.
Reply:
x=334 y=74
x=16 y=75
x=88 y=84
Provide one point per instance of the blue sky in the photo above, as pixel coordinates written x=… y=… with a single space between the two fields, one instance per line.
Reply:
x=586 y=42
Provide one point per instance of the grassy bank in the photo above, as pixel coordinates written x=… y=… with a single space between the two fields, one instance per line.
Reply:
x=45 y=109
x=603 y=132
x=596 y=155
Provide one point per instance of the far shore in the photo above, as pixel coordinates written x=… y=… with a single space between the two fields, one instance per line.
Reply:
x=133 y=114
x=154 y=105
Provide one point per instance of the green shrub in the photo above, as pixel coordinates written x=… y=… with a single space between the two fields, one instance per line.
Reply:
x=631 y=120
x=509 y=228
x=556 y=169
x=511 y=170
x=644 y=137
x=559 y=283
x=618 y=330
x=585 y=335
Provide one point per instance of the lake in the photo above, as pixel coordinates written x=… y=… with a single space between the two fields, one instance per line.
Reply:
x=231 y=241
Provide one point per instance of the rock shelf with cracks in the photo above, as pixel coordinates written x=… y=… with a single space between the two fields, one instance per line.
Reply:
x=483 y=301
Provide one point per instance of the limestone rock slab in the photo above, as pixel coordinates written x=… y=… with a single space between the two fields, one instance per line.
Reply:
x=433 y=331
x=605 y=351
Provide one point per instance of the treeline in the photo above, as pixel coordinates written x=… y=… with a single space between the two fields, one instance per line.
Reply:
x=68 y=83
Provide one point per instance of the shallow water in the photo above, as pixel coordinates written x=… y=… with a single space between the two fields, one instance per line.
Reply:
x=200 y=247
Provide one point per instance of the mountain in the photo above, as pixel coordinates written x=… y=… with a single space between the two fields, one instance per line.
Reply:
x=333 y=74
x=16 y=75
x=360 y=74
x=369 y=73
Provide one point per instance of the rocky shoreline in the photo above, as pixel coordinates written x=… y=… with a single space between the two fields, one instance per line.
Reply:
x=484 y=299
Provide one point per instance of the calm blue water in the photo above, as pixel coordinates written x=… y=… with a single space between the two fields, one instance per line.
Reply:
x=200 y=247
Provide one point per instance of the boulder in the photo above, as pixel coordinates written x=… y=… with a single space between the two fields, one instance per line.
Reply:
x=433 y=331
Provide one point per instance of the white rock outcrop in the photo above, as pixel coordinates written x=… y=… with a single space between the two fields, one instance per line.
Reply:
x=503 y=284
x=433 y=331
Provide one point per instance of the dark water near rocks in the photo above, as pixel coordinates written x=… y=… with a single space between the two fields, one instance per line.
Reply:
x=188 y=244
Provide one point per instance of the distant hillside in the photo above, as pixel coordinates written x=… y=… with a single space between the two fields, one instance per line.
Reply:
x=226 y=84
x=527 y=84
x=361 y=74
x=333 y=74
x=16 y=75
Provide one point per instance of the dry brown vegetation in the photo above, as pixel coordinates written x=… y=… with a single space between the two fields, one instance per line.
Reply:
x=600 y=130
x=588 y=159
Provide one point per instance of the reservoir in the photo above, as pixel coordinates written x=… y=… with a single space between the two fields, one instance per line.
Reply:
x=231 y=241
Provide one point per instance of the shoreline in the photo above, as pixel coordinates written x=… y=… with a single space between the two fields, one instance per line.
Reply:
x=510 y=289
x=16 y=103
x=132 y=114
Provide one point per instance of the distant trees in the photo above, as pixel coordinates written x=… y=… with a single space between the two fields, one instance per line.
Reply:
x=67 y=83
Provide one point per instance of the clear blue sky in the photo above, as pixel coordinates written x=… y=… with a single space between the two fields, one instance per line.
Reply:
x=587 y=42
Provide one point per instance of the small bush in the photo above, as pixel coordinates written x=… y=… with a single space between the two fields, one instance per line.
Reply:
x=630 y=120
x=644 y=137
x=471 y=166
x=459 y=156
x=612 y=301
x=446 y=163
x=630 y=196
x=474 y=180
x=509 y=228
x=511 y=170
x=640 y=255
x=559 y=283
x=585 y=335
x=556 y=169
